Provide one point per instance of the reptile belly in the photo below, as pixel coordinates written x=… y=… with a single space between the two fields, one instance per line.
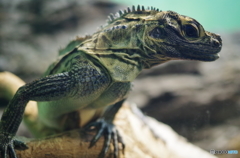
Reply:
x=50 y=113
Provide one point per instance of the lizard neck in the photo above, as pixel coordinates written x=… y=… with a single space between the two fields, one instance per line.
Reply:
x=118 y=49
x=126 y=41
x=121 y=66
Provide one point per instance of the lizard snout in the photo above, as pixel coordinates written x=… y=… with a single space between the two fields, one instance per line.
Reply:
x=216 y=41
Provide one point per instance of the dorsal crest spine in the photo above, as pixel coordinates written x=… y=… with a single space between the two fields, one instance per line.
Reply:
x=120 y=13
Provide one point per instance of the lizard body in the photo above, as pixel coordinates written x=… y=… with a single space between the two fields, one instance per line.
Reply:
x=93 y=75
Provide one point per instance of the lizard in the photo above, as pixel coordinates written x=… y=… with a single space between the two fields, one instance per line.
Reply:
x=93 y=74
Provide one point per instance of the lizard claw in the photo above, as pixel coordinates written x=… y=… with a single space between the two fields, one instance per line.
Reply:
x=109 y=131
x=19 y=145
x=8 y=144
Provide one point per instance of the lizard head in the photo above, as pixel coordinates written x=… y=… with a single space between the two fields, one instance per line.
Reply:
x=173 y=36
x=158 y=36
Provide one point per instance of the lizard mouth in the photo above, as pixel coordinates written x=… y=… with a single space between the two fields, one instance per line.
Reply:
x=201 y=56
x=205 y=57
x=201 y=53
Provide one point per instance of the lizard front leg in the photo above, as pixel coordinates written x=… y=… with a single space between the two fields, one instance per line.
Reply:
x=67 y=85
x=106 y=128
x=43 y=90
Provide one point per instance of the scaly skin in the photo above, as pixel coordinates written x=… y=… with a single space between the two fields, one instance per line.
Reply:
x=93 y=74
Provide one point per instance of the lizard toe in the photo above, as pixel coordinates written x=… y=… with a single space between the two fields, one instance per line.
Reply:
x=19 y=145
x=110 y=133
x=11 y=151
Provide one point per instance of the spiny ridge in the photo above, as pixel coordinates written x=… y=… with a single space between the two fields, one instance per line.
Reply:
x=112 y=17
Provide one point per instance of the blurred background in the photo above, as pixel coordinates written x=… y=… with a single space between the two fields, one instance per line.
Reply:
x=199 y=100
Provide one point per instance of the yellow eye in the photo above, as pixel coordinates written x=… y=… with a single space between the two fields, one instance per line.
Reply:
x=191 y=31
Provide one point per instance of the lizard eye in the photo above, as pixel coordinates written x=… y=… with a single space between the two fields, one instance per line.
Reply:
x=191 y=31
x=157 y=33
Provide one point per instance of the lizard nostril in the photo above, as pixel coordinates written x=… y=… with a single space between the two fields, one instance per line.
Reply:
x=216 y=43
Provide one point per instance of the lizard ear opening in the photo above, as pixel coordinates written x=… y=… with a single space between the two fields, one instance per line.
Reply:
x=157 y=33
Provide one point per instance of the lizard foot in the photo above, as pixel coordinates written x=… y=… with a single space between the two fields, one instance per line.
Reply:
x=7 y=146
x=109 y=131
